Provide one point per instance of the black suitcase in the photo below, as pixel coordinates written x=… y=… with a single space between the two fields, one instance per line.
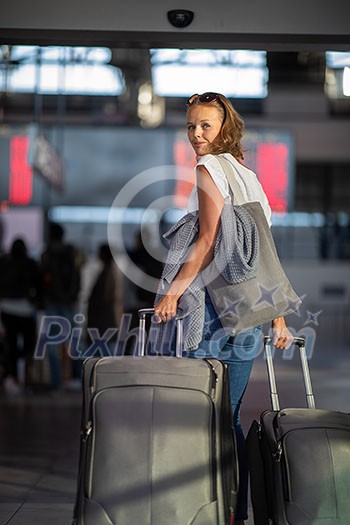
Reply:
x=299 y=460
x=157 y=444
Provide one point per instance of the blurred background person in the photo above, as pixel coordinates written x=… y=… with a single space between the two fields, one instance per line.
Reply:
x=60 y=271
x=149 y=264
x=141 y=294
x=105 y=302
x=19 y=298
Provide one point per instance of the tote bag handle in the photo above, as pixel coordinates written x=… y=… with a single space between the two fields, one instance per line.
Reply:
x=236 y=191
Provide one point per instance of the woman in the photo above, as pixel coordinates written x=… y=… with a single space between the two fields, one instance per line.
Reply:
x=215 y=128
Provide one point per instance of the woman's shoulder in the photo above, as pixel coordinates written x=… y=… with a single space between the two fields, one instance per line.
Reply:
x=212 y=165
x=212 y=161
x=216 y=171
x=203 y=160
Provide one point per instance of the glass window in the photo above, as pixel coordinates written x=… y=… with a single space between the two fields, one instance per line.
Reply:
x=67 y=70
x=240 y=74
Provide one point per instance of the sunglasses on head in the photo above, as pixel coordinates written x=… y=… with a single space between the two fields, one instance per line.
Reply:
x=206 y=98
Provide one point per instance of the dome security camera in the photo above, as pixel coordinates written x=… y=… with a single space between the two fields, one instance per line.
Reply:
x=180 y=17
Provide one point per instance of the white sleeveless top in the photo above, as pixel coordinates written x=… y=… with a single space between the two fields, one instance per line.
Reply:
x=250 y=186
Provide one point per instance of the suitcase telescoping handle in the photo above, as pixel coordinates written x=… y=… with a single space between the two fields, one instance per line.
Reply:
x=300 y=342
x=143 y=313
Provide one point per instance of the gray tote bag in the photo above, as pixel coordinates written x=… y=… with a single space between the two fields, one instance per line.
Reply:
x=262 y=298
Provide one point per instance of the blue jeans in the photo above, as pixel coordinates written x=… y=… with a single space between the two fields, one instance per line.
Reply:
x=238 y=353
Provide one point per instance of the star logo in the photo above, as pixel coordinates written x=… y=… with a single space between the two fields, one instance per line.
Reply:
x=312 y=317
x=292 y=305
x=266 y=295
x=232 y=307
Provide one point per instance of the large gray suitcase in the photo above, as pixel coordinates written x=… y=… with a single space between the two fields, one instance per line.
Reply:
x=157 y=444
x=299 y=460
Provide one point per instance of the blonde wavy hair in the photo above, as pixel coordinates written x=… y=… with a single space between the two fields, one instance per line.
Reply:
x=231 y=132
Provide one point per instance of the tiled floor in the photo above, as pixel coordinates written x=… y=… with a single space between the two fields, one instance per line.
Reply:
x=39 y=449
x=39 y=436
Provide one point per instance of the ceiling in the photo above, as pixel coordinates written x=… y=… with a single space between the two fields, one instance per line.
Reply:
x=299 y=69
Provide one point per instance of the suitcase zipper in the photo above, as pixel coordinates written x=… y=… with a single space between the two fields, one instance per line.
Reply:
x=87 y=431
x=229 y=483
x=228 y=492
x=92 y=383
x=277 y=454
x=214 y=379
x=213 y=383
x=259 y=431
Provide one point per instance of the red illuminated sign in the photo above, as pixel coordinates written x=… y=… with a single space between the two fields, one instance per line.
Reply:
x=183 y=157
x=272 y=170
x=21 y=174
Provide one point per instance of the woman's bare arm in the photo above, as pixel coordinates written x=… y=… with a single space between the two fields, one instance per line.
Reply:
x=210 y=203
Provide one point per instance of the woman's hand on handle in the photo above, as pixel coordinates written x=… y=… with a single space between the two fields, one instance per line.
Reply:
x=165 y=309
x=281 y=337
